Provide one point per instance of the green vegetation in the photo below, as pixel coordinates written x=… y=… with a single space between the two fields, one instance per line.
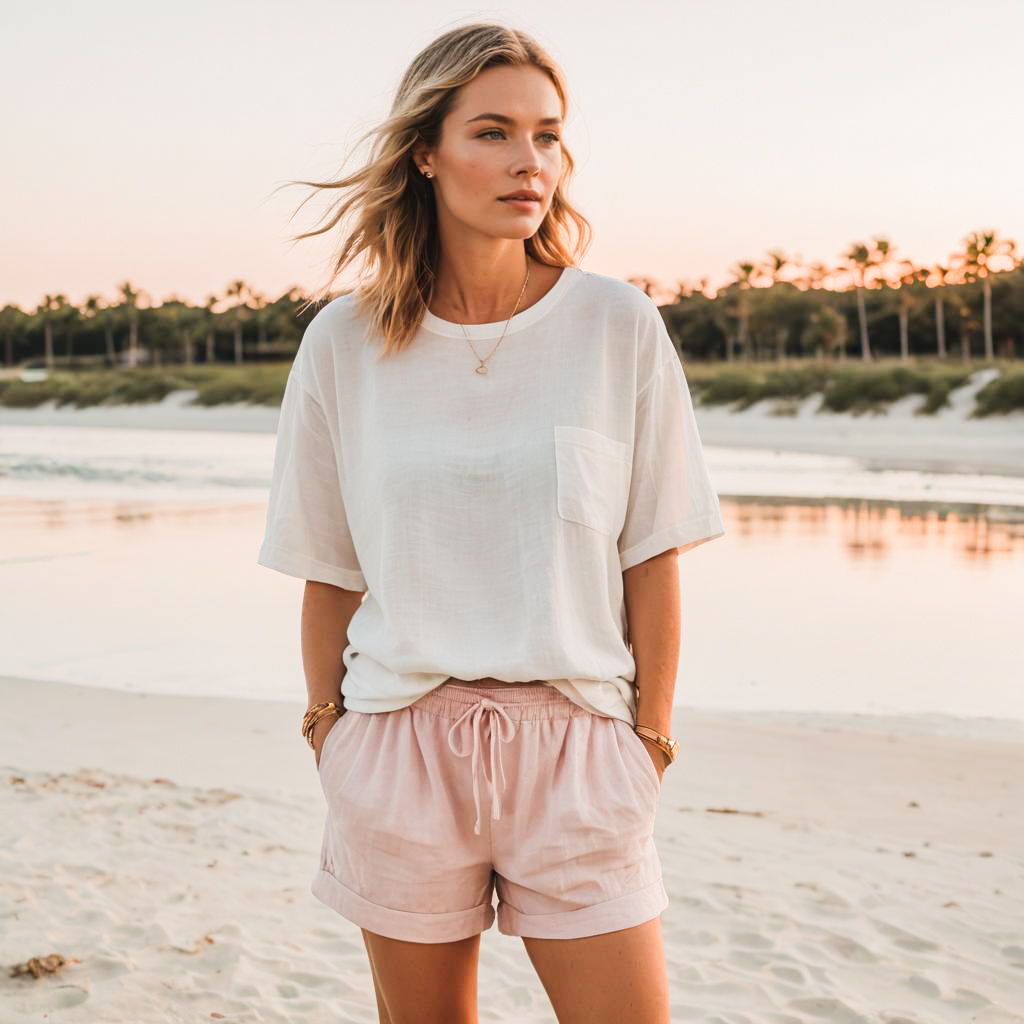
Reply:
x=1002 y=395
x=844 y=386
x=262 y=384
x=851 y=387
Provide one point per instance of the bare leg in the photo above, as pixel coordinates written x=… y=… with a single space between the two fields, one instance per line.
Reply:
x=605 y=979
x=383 y=1016
x=424 y=982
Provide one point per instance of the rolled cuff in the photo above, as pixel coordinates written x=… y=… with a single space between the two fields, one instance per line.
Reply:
x=683 y=536
x=294 y=564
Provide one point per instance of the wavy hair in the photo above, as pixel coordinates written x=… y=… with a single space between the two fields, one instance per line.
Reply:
x=392 y=206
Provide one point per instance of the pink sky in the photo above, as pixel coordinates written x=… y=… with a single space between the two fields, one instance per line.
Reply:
x=145 y=141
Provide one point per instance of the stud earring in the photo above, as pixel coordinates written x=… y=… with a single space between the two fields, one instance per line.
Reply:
x=428 y=174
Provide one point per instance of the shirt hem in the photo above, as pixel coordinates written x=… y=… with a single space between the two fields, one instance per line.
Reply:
x=291 y=563
x=682 y=536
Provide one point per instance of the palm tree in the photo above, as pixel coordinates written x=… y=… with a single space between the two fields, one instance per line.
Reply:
x=968 y=322
x=264 y=313
x=864 y=264
x=909 y=285
x=65 y=316
x=102 y=316
x=210 y=320
x=239 y=314
x=91 y=309
x=129 y=299
x=981 y=249
x=942 y=276
x=46 y=312
x=744 y=275
x=194 y=322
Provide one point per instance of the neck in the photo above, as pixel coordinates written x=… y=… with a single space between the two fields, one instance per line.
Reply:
x=480 y=292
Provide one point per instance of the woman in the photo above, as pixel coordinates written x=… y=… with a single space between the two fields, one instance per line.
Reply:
x=487 y=461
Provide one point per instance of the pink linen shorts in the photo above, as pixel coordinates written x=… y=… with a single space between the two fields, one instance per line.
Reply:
x=471 y=788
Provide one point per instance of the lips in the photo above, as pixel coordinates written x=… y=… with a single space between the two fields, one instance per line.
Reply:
x=522 y=197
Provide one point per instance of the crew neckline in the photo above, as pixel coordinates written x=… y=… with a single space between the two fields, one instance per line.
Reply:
x=525 y=318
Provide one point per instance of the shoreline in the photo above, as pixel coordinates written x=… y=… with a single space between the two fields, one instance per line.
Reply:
x=948 y=442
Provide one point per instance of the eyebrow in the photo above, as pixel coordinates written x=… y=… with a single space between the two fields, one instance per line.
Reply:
x=503 y=119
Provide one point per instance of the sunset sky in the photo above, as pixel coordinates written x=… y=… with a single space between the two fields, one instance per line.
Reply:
x=143 y=141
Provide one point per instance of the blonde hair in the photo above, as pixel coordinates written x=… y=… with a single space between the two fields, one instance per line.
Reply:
x=393 y=206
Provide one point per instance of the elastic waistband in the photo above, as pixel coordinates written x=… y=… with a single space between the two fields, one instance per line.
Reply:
x=526 y=702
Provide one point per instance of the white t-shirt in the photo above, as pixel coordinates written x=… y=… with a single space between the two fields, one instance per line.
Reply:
x=489 y=517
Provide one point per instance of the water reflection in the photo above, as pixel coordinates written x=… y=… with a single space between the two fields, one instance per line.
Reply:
x=854 y=605
x=869 y=528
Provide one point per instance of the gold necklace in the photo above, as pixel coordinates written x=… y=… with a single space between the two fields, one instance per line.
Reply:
x=482 y=368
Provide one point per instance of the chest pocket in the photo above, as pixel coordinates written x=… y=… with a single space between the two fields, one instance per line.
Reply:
x=593 y=473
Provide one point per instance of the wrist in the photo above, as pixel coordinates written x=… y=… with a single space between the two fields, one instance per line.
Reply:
x=653 y=745
x=668 y=745
x=316 y=714
x=324 y=725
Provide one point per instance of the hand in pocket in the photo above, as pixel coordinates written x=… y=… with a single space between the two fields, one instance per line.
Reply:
x=321 y=731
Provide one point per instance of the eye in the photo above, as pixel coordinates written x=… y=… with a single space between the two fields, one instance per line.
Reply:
x=497 y=131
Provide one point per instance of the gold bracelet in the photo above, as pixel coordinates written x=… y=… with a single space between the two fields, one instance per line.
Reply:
x=315 y=709
x=314 y=714
x=666 y=744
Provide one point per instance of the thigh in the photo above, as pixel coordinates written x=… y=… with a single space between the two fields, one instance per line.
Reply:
x=424 y=983
x=605 y=979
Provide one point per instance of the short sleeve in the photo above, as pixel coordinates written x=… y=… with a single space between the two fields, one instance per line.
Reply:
x=307 y=533
x=672 y=503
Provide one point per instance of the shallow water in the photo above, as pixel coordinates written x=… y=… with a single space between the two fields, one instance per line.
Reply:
x=128 y=559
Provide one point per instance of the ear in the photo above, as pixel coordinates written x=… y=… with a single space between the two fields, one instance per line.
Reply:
x=420 y=156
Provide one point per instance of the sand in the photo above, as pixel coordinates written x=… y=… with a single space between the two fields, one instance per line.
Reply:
x=900 y=438
x=820 y=868
x=949 y=441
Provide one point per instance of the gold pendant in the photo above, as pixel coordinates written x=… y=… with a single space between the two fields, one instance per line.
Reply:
x=481 y=368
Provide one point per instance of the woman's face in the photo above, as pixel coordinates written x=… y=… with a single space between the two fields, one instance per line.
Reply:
x=503 y=134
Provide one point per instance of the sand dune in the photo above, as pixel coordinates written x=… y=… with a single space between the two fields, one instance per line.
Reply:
x=949 y=441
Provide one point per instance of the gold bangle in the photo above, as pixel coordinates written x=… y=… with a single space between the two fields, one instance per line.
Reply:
x=315 y=709
x=308 y=732
x=666 y=744
x=314 y=714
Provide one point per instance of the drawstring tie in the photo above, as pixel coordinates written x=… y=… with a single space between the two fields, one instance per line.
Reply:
x=474 y=717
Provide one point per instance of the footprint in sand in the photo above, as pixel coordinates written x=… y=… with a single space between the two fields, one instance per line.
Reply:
x=827 y=1009
x=906 y=940
x=924 y=986
x=1014 y=955
x=751 y=939
x=793 y=975
x=849 y=949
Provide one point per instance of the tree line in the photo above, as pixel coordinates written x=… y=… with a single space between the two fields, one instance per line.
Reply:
x=779 y=307
x=870 y=303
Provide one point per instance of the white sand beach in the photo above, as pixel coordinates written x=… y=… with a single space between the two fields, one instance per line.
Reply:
x=820 y=868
